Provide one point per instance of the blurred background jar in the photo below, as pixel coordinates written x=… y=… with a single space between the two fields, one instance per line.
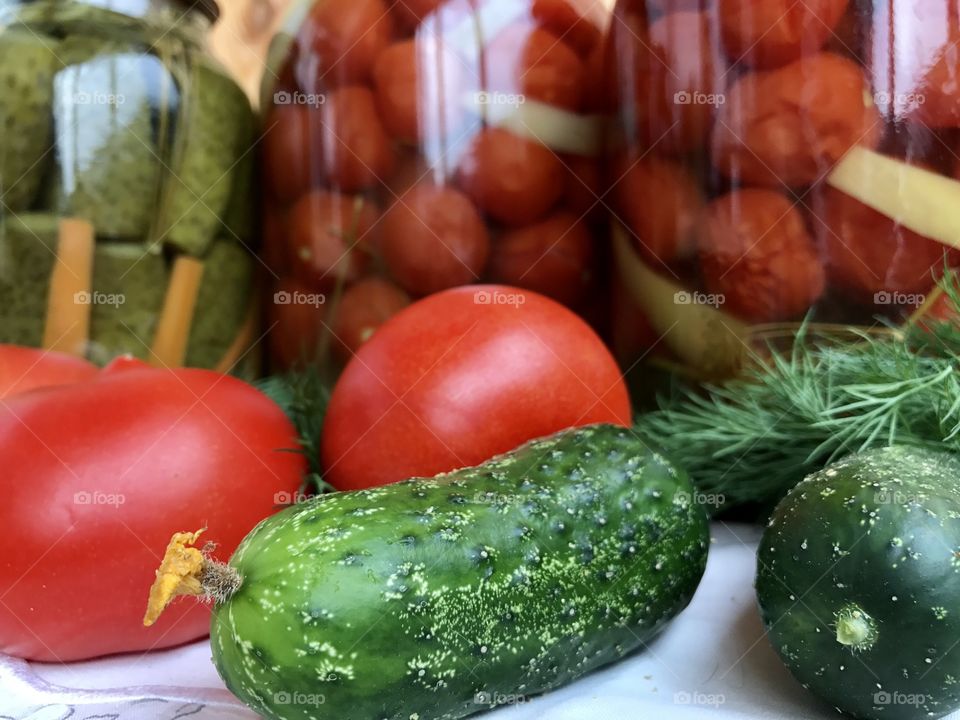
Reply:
x=773 y=161
x=126 y=173
x=417 y=145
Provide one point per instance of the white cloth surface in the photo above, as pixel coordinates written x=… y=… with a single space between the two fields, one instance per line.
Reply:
x=712 y=662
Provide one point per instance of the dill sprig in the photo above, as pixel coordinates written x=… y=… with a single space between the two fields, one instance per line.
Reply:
x=752 y=438
x=303 y=396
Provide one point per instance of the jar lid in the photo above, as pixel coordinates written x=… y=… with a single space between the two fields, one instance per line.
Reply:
x=208 y=7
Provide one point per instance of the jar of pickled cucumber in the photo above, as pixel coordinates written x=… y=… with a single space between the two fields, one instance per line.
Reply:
x=126 y=223
x=774 y=163
x=416 y=145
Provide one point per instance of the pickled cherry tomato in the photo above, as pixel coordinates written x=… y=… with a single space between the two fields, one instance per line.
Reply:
x=357 y=151
x=330 y=235
x=661 y=204
x=552 y=257
x=679 y=79
x=758 y=254
x=296 y=316
x=433 y=238
x=340 y=40
x=567 y=20
x=418 y=85
x=526 y=60
x=513 y=179
x=291 y=143
x=364 y=307
x=632 y=333
x=790 y=126
x=869 y=253
x=771 y=33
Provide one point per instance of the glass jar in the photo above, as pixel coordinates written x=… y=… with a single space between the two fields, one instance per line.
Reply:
x=126 y=173
x=774 y=162
x=413 y=146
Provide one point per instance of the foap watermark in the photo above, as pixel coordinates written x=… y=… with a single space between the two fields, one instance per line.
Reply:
x=498 y=297
x=898 y=298
x=699 y=698
x=84 y=297
x=299 y=698
x=285 y=97
x=97 y=497
x=98 y=98
x=906 y=101
x=703 y=499
x=286 y=498
x=898 y=698
x=284 y=297
x=896 y=497
x=498 y=698
x=499 y=98
x=684 y=297
x=683 y=97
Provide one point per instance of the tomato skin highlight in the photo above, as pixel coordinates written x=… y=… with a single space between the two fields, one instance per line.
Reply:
x=461 y=376
x=25 y=368
x=95 y=476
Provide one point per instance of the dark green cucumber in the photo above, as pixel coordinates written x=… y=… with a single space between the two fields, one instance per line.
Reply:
x=441 y=597
x=858 y=579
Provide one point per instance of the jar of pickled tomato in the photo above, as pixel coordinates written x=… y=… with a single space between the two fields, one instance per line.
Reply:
x=411 y=146
x=773 y=163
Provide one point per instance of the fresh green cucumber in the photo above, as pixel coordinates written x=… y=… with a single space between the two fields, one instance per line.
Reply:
x=442 y=597
x=858 y=579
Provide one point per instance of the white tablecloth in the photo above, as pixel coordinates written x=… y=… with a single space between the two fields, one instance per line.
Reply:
x=712 y=662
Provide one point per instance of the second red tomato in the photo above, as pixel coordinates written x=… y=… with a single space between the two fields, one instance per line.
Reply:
x=461 y=376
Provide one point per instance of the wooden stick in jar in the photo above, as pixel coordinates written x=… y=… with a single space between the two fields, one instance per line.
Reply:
x=69 y=301
x=173 y=328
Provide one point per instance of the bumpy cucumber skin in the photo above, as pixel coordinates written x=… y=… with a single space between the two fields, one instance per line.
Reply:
x=438 y=598
x=879 y=532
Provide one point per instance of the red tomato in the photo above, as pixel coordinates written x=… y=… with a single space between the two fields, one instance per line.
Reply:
x=913 y=58
x=433 y=239
x=97 y=475
x=363 y=308
x=417 y=84
x=678 y=83
x=526 y=60
x=297 y=324
x=567 y=19
x=868 y=253
x=25 y=368
x=661 y=203
x=553 y=257
x=329 y=237
x=461 y=376
x=512 y=178
x=758 y=254
x=339 y=42
x=771 y=33
x=790 y=126
x=291 y=148
x=356 y=149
